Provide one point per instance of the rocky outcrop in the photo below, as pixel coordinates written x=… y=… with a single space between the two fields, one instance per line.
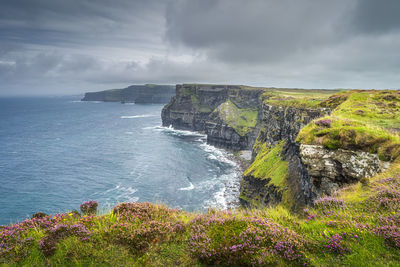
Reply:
x=203 y=108
x=330 y=170
x=282 y=124
x=258 y=192
x=148 y=93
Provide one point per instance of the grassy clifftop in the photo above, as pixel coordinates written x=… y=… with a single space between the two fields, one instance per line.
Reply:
x=360 y=226
x=362 y=120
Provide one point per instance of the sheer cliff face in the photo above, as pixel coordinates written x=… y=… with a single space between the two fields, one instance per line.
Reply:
x=228 y=114
x=285 y=177
x=148 y=93
x=285 y=166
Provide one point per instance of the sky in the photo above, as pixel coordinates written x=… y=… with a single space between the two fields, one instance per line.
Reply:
x=58 y=47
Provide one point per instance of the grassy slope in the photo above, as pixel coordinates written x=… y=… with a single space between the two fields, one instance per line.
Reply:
x=359 y=227
x=366 y=120
x=242 y=120
x=297 y=97
x=269 y=165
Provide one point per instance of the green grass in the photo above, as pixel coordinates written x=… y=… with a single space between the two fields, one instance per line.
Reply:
x=365 y=120
x=299 y=98
x=269 y=165
x=313 y=228
x=242 y=120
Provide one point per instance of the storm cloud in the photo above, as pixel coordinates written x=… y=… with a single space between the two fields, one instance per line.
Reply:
x=69 y=47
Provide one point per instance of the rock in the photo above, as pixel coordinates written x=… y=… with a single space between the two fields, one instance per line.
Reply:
x=148 y=93
x=283 y=124
x=257 y=192
x=330 y=170
x=198 y=107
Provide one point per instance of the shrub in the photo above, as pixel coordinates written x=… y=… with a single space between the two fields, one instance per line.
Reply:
x=48 y=243
x=246 y=241
x=388 y=198
x=89 y=207
x=329 y=202
x=324 y=123
x=143 y=211
x=334 y=244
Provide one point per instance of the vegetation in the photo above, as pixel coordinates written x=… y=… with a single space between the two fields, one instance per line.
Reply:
x=269 y=165
x=362 y=120
x=360 y=226
x=242 y=120
x=297 y=97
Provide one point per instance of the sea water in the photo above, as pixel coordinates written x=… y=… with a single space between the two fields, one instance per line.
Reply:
x=58 y=152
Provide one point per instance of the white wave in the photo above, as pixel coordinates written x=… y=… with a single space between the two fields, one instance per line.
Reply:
x=173 y=131
x=227 y=196
x=150 y=127
x=129 y=132
x=217 y=154
x=138 y=116
x=190 y=187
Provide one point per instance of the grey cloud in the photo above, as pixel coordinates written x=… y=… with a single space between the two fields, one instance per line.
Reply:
x=56 y=46
x=375 y=17
x=257 y=31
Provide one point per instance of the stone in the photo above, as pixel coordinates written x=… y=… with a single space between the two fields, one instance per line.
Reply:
x=330 y=170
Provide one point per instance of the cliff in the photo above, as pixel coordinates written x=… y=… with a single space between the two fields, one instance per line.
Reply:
x=311 y=146
x=148 y=93
x=305 y=143
x=337 y=151
x=277 y=170
x=228 y=114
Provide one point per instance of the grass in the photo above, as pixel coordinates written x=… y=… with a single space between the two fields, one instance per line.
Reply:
x=358 y=226
x=299 y=98
x=361 y=231
x=365 y=120
x=269 y=165
x=242 y=120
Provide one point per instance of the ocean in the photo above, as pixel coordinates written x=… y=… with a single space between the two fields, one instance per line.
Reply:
x=57 y=152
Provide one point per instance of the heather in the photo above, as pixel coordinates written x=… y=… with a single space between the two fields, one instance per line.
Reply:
x=359 y=225
x=366 y=120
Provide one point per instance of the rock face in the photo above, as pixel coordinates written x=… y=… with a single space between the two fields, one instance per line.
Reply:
x=199 y=108
x=330 y=170
x=282 y=170
x=282 y=124
x=148 y=93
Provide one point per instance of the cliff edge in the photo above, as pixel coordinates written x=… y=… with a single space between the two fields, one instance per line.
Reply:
x=305 y=143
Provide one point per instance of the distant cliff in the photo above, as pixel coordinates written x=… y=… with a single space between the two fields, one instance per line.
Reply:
x=148 y=93
x=228 y=114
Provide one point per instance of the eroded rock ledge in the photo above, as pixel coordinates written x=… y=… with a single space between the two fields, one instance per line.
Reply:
x=330 y=170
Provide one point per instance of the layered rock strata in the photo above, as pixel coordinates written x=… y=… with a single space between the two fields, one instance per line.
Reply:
x=228 y=114
x=281 y=124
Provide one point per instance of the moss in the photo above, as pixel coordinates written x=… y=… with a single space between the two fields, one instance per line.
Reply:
x=269 y=165
x=242 y=120
x=363 y=121
x=195 y=100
